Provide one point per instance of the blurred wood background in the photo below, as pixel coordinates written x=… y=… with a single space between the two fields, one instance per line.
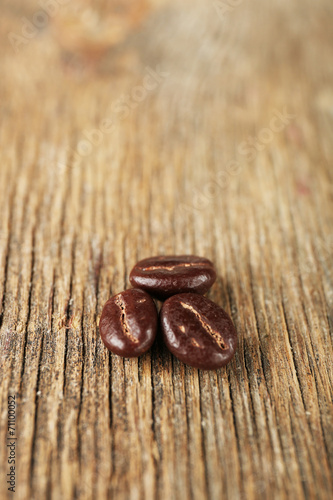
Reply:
x=130 y=129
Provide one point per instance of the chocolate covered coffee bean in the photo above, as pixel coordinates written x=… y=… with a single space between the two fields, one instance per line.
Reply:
x=128 y=323
x=164 y=276
x=198 y=331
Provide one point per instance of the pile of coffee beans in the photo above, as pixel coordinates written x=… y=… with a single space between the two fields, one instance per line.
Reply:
x=195 y=329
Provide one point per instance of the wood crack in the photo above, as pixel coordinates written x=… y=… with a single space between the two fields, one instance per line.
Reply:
x=203 y=444
x=29 y=312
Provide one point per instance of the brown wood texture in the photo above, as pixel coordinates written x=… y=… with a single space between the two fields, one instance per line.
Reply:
x=224 y=151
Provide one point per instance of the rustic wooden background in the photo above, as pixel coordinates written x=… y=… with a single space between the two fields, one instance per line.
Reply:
x=197 y=161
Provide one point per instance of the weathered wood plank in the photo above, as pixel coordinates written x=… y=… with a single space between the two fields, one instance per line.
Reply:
x=221 y=146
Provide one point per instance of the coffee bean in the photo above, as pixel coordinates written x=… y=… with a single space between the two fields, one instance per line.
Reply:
x=164 y=276
x=128 y=323
x=198 y=331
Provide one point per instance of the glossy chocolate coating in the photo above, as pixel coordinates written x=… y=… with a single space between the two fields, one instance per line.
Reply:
x=164 y=276
x=198 y=331
x=128 y=323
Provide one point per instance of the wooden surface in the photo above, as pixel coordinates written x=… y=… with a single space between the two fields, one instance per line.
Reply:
x=177 y=174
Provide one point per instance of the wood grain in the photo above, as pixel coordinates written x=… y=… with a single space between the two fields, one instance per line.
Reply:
x=226 y=153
